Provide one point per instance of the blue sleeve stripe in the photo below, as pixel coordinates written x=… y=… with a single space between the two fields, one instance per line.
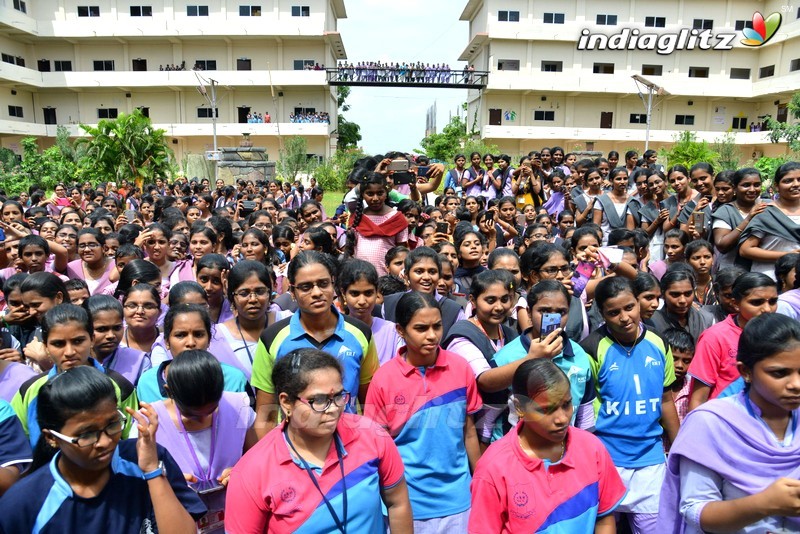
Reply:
x=59 y=492
x=125 y=467
x=6 y=411
x=611 y=509
x=578 y=504
x=451 y=396
x=352 y=478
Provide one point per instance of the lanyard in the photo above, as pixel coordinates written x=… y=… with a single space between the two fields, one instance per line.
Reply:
x=341 y=525
x=497 y=345
x=246 y=346
x=200 y=470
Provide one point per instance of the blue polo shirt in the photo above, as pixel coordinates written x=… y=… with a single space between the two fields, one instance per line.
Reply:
x=573 y=360
x=351 y=343
x=14 y=446
x=43 y=502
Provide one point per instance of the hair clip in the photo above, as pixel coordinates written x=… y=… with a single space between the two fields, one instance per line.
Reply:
x=296 y=363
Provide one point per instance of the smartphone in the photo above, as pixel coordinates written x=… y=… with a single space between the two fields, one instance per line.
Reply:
x=583 y=273
x=398 y=165
x=521 y=219
x=423 y=171
x=402 y=178
x=489 y=218
x=2 y=235
x=709 y=198
x=442 y=228
x=131 y=215
x=699 y=220
x=204 y=488
x=550 y=322
x=662 y=205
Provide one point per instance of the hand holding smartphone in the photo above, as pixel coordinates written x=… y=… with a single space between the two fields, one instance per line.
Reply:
x=550 y=323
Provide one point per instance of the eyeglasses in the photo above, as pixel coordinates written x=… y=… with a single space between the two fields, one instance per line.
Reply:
x=88 y=245
x=307 y=287
x=148 y=307
x=247 y=293
x=67 y=236
x=87 y=439
x=566 y=270
x=320 y=403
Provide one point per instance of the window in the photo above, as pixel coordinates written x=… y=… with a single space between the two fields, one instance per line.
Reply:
x=141 y=11
x=20 y=61
x=508 y=16
x=507 y=64
x=43 y=65
x=742 y=24
x=698 y=72
x=206 y=64
x=103 y=64
x=703 y=24
x=196 y=11
x=655 y=22
x=794 y=65
x=145 y=111
x=306 y=111
x=88 y=11
x=243 y=64
x=301 y=64
x=7 y=58
x=652 y=70
x=766 y=72
x=603 y=68
x=301 y=11
x=206 y=113
x=49 y=114
x=19 y=5
x=62 y=66
x=686 y=120
x=15 y=111
x=249 y=11
x=552 y=66
x=739 y=123
x=638 y=118
x=554 y=18
x=606 y=20
x=541 y=115
x=139 y=65
x=740 y=74
x=106 y=113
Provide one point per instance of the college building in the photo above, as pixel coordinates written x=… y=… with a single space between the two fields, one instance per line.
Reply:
x=561 y=72
x=72 y=62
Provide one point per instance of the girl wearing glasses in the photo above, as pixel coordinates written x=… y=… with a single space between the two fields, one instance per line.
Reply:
x=316 y=324
x=425 y=397
x=94 y=266
x=205 y=429
x=249 y=291
x=67 y=334
x=330 y=470
x=142 y=307
x=88 y=476
x=107 y=326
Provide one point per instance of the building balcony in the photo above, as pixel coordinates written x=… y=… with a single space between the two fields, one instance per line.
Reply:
x=191 y=129
x=583 y=135
x=155 y=78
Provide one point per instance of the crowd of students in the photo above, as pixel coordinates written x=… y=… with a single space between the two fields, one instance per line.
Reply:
x=398 y=72
x=566 y=346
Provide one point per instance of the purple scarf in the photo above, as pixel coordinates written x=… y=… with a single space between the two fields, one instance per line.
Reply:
x=792 y=298
x=723 y=437
x=128 y=362
x=554 y=204
x=75 y=270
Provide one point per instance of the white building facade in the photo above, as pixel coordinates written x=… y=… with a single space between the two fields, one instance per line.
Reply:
x=71 y=62
x=544 y=90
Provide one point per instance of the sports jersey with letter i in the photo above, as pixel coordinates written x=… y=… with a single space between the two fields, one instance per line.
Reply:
x=630 y=382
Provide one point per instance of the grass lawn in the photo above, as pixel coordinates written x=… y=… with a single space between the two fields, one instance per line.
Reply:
x=331 y=201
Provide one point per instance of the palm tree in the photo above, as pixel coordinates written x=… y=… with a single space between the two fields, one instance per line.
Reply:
x=125 y=148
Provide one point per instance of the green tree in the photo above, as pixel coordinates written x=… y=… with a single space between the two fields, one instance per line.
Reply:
x=445 y=145
x=784 y=131
x=687 y=151
x=729 y=153
x=125 y=148
x=349 y=132
x=293 y=158
x=332 y=174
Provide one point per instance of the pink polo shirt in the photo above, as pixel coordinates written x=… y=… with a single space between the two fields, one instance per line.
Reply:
x=271 y=492
x=714 y=362
x=512 y=492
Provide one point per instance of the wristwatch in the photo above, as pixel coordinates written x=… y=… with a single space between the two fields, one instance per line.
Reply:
x=159 y=471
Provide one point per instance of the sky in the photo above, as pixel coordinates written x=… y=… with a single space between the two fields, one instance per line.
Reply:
x=413 y=30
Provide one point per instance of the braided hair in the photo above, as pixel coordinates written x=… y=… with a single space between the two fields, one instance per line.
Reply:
x=363 y=178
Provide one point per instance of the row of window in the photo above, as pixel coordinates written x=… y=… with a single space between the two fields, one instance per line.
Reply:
x=191 y=11
x=738 y=123
x=14 y=60
x=20 y=5
x=604 y=19
x=113 y=113
x=650 y=70
x=140 y=65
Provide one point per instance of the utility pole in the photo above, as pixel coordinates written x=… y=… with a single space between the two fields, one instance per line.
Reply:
x=213 y=103
x=648 y=103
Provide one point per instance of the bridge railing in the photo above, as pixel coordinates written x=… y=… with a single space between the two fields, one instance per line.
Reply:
x=407 y=77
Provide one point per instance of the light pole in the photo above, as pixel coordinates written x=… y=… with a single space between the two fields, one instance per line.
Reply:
x=648 y=104
x=212 y=101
